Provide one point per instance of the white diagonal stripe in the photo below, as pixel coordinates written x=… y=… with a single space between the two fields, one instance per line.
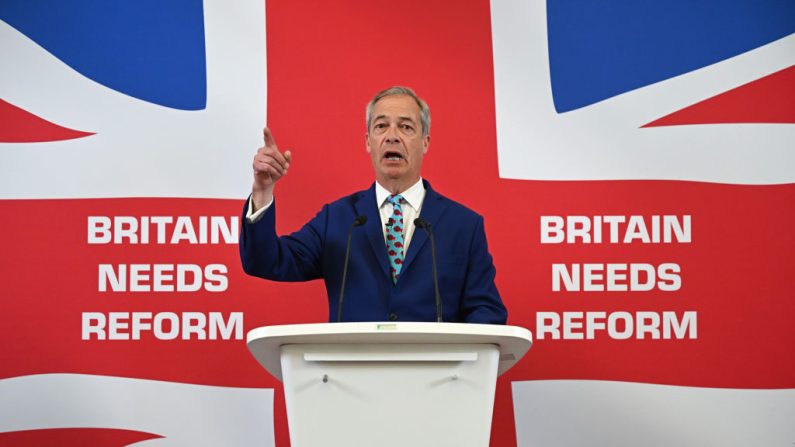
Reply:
x=185 y=415
x=566 y=413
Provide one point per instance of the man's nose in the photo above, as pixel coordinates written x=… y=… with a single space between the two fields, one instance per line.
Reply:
x=391 y=135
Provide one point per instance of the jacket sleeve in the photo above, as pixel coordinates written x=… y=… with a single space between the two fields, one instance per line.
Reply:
x=481 y=302
x=295 y=257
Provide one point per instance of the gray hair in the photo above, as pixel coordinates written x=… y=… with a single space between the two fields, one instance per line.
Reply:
x=425 y=112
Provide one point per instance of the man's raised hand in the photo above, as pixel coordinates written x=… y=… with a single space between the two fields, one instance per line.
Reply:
x=269 y=166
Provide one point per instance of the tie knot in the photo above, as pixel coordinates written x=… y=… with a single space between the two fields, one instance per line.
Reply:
x=395 y=199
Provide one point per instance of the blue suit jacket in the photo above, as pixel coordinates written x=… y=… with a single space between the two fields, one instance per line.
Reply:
x=466 y=271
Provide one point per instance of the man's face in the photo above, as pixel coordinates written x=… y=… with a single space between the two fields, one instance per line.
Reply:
x=395 y=141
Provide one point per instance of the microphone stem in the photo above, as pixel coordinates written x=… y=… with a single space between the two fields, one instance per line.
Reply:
x=435 y=278
x=344 y=274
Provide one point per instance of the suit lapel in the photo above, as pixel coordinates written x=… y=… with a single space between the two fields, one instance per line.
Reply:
x=433 y=206
x=366 y=205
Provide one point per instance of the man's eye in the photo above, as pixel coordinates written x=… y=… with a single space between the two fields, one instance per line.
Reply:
x=407 y=127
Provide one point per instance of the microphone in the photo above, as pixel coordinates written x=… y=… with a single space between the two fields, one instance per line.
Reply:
x=425 y=225
x=358 y=222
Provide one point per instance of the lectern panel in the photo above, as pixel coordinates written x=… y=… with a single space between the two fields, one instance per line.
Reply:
x=401 y=396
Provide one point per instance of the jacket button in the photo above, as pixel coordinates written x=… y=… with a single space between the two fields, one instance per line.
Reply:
x=392 y=316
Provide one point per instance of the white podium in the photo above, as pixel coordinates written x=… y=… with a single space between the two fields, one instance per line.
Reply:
x=389 y=384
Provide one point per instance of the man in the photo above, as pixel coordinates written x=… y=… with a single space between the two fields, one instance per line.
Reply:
x=390 y=275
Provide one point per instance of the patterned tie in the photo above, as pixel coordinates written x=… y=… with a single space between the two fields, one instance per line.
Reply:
x=394 y=236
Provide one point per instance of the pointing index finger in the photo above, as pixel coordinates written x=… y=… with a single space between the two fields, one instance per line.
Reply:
x=269 y=140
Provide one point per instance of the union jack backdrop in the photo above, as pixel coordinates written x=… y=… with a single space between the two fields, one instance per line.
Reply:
x=633 y=162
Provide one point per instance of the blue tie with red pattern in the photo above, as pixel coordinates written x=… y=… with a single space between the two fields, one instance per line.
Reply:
x=394 y=236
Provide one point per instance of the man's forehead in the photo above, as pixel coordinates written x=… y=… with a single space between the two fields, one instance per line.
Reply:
x=396 y=107
x=400 y=117
x=405 y=103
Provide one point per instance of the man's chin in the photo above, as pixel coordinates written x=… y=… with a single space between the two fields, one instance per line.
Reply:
x=393 y=173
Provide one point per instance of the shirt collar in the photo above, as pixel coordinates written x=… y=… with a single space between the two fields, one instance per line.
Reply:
x=413 y=196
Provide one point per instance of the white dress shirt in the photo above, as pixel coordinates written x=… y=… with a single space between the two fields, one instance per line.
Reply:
x=255 y=216
x=411 y=209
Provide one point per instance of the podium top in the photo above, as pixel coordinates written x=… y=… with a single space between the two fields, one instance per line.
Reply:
x=265 y=342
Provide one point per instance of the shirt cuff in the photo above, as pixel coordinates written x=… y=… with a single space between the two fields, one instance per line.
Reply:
x=256 y=216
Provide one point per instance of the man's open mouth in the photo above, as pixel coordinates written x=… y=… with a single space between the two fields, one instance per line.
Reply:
x=393 y=156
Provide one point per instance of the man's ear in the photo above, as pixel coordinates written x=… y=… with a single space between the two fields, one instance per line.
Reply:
x=367 y=141
x=425 y=143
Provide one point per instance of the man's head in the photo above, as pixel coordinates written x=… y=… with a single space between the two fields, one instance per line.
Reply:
x=398 y=136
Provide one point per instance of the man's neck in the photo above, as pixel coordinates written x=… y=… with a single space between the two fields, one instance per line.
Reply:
x=397 y=186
